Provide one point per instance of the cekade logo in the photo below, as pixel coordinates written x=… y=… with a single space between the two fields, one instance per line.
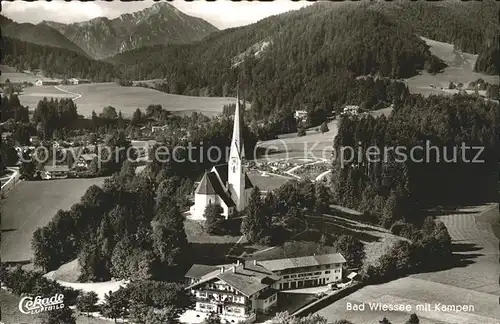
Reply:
x=28 y=305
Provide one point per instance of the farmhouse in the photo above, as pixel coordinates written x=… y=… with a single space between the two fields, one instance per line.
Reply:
x=235 y=293
x=226 y=184
x=301 y=115
x=45 y=82
x=158 y=128
x=85 y=160
x=350 y=110
x=78 y=81
x=6 y=136
x=242 y=290
x=56 y=171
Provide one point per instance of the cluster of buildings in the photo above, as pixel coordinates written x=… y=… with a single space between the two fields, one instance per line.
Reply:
x=350 y=110
x=62 y=171
x=238 y=292
x=47 y=82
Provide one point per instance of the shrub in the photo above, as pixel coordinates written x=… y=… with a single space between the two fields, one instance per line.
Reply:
x=324 y=127
x=301 y=132
x=266 y=240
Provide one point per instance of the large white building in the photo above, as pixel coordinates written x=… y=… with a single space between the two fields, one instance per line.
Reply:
x=227 y=184
x=240 y=291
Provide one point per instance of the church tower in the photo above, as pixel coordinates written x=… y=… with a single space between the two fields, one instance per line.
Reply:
x=236 y=172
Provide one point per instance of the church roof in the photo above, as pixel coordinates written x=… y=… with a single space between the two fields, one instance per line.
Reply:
x=222 y=171
x=205 y=187
x=211 y=185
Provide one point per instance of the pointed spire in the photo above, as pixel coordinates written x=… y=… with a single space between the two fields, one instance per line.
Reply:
x=237 y=142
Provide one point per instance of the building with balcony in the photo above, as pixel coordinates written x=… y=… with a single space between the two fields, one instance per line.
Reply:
x=240 y=291
x=308 y=271
x=236 y=293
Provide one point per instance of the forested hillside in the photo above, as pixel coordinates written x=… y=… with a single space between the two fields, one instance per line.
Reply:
x=37 y=34
x=438 y=171
x=54 y=61
x=489 y=58
x=311 y=60
x=468 y=25
x=472 y=26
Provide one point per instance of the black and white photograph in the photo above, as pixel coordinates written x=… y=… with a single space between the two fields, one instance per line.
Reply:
x=239 y=162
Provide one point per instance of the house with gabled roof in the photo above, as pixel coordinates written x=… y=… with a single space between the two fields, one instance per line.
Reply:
x=239 y=292
x=236 y=293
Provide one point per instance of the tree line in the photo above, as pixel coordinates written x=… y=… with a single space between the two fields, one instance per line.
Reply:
x=54 y=61
x=390 y=189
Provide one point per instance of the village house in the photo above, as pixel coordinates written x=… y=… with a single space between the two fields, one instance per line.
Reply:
x=300 y=115
x=6 y=136
x=85 y=160
x=158 y=128
x=240 y=291
x=46 y=82
x=55 y=171
x=350 y=110
x=236 y=293
x=77 y=81
x=34 y=139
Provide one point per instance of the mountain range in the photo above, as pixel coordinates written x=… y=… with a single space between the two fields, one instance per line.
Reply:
x=290 y=60
x=37 y=34
x=101 y=37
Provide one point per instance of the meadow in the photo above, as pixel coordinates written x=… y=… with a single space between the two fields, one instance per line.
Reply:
x=268 y=182
x=474 y=282
x=32 y=204
x=14 y=76
x=460 y=69
x=314 y=145
x=96 y=96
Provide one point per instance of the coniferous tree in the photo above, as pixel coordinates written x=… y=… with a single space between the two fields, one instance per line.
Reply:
x=254 y=224
x=213 y=218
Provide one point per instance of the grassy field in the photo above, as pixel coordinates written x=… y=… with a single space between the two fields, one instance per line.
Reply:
x=12 y=315
x=313 y=145
x=211 y=249
x=267 y=182
x=14 y=76
x=96 y=96
x=376 y=240
x=474 y=282
x=412 y=291
x=32 y=204
x=460 y=69
x=312 y=171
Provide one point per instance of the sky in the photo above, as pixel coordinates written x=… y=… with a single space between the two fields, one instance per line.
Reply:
x=222 y=14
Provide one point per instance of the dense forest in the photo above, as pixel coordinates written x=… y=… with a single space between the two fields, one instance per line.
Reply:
x=302 y=67
x=394 y=189
x=54 y=61
x=467 y=24
x=488 y=60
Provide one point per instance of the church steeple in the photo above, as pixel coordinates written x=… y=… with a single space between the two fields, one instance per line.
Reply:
x=236 y=170
x=237 y=146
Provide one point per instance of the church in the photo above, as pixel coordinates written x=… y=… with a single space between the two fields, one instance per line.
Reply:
x=226 y=184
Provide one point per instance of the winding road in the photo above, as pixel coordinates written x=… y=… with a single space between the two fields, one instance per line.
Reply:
x=77 y=95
